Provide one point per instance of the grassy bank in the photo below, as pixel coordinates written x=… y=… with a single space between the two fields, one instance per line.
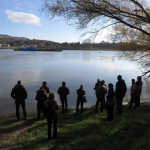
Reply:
x=87 y=131
x=10 y=47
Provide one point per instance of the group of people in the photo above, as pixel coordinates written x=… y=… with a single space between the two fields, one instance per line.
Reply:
x=49 y=106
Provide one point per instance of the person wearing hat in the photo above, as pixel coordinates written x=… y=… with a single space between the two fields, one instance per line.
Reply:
x=63 y=91
x=51 y=107
x=80 y=98
x=45 y=87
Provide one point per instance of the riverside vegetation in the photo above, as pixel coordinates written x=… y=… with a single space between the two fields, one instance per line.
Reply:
x=87 y=131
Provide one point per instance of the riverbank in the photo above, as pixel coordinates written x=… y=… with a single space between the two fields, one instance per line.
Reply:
x=87 y=131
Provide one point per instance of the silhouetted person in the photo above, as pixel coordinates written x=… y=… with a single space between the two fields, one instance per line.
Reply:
x=132 y=87
x=110 y=101
x=51 y=114
x=45 y=87
x=120 y=93
x=41 y=97
x=96 y=86
x=101 y=92
x=19 y=93
x=63 y=92
x=135 y=94
x=80 y=98
x=141 y=84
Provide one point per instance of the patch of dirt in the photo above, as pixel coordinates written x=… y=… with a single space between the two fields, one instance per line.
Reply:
x=7 y=141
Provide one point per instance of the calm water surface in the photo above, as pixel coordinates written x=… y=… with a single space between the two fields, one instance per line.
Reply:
x=73 y=67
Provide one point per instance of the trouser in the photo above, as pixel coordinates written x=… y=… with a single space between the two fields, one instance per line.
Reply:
x=102 y=104
x=49 y=123
x=119 y=106
x=43 y=111
x=110 y=109
x=66 y=105
x=138 y=101
x=134 y=99
x=77 y=106
x=23 y=105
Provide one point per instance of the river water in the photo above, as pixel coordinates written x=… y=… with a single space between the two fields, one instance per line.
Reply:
x=75 y=67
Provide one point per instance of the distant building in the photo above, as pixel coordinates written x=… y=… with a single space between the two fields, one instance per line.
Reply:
x=5 y=45
x=0 y=45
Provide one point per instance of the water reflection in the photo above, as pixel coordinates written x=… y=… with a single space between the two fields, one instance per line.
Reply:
x=73 y=67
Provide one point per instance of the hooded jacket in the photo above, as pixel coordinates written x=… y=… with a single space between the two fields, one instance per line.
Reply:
x=120 y=89
x=41 y=97
x=19 y=93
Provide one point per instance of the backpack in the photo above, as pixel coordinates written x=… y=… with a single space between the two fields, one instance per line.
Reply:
x=50 y=111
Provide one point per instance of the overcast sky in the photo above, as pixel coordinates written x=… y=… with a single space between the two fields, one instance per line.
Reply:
x=23 y=19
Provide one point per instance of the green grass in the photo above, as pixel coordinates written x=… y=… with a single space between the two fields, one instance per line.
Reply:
x=87 y=131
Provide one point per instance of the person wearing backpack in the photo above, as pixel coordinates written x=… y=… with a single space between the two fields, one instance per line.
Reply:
x=80 y=98
x=63 y=92
x=41 y=97
x=51 y=114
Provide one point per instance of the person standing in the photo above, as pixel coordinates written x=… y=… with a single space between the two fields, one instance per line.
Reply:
x=132 y=88
x=141 y=84
x=101 y=92
x=120 y=92
x=51 y=114
x=19 y=93
x=80 y=98
x=96 y=86
x=63 y=92
x=110 y=101
x=41 y=97
x=135 y=94
x=45 y=87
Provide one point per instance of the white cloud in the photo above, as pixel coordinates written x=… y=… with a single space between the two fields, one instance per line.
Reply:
x=18 y=4
x=18 y=8
x=23 y=17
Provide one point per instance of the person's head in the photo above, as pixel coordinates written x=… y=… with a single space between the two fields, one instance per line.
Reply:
x=137 y=83
x=139 y=78
x=63 y=83
x=52 y=95
x=119 y=77
x=19 y=82
x=98 y=80
x=110 y=86
x=81 y=86
x=133 y=81
x=44 y=83
x=103 y=81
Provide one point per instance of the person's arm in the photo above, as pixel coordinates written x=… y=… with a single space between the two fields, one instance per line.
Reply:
x=25 y=94
x=12 y=94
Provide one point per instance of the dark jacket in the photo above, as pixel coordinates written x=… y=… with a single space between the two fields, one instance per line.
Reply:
x=55 y=104
x=136 y=91
x=63 y=92
x=120 y=89
x=41 y=97
x=111 y=94
x=46 y=88
x=19 y=93
x=80 y=93
x=96 y=85
x=101 y=92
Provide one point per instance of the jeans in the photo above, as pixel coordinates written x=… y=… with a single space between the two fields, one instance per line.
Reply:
x=77 y=106
x=119 y=106
x=23 y=105
x=66 y=105
x=49 y=123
